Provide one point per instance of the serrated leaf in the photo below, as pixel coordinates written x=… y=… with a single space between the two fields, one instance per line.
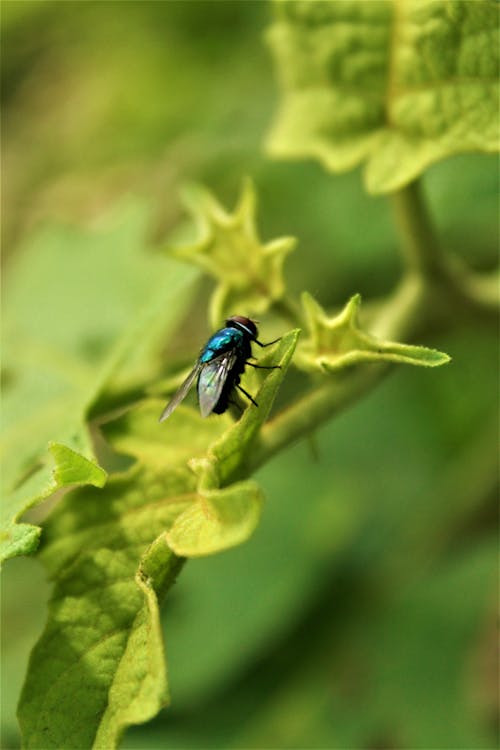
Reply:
x=249 y=273
x=71 y=468
x=68 y=336
x=220 y=519
x=397 y=85
x=103 y=633
x=337 y=342
x=67 y=468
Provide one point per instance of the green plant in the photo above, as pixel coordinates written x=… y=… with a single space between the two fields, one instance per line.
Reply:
x=362 y=82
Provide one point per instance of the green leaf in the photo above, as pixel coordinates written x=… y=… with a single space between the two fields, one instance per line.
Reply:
x=337 y=342
x=67 y=468
x=216 y=448
x=112 y=553
x=219 y=520
x=19 y=539
x=143 y=661
x=249 y=273
x=71 y=468
x=85 y=312
x=396 y=85
x=184 y=436
x=103 y=634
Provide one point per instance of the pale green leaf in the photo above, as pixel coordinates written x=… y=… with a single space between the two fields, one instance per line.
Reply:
x=183 y=436
x=396 y=85
x=71 y=468
x=143 y=661
x=85 y=313
x=19 y=539
x=103 y=633
x=249 y=273
x=107 y=551
x=337 y=342
x=220 y=519
x=64 y=468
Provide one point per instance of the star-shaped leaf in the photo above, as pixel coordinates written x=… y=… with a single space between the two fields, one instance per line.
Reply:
x=249 y=272
x=337 y=342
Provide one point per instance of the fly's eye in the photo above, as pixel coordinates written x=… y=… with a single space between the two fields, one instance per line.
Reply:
x=247 y=324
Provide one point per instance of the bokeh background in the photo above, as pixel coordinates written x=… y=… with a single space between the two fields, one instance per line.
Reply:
x=363 y=612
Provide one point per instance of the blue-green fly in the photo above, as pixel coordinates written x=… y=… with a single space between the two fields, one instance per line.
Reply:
x=219 y=366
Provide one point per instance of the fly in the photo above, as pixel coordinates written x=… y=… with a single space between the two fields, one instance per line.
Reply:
x=219 y=366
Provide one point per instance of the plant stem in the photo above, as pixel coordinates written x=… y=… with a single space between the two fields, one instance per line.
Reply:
x=313 y=410
x=448 y=285
x=419 y=244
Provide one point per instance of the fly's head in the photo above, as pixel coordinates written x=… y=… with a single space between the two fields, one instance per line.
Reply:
x=243 y=324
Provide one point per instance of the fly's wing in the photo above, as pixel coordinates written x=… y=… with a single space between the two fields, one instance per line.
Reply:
x=181 y=394
x=213 y=377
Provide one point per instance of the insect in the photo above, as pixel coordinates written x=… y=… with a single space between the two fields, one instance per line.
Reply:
x=219 y=366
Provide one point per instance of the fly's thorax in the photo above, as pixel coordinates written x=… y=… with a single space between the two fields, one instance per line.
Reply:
x=222 y=341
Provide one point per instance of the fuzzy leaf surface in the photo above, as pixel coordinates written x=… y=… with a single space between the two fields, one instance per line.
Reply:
x=337 y=342
x=394 y=85
x=100 y=659
x=112 y=553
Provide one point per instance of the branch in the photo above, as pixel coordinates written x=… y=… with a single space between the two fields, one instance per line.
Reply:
x=447 y=283
x=312 y=410
x=419 y=244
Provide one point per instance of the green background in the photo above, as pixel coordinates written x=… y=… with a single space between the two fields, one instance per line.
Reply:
x=362 y=613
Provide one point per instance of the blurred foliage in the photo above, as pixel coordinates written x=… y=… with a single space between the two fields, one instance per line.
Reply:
x=398 y=85
x=363 y=611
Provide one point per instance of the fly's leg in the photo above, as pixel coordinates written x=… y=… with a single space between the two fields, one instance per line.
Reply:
x=247 y=395
x=259 y=343
x=264 y=367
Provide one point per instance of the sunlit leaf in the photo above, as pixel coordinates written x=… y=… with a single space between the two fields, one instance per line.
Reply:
x=249 y=273
x=183 y=436
x=103 y=633
x=220 y=519
x=85 y=311
x=337 y=342
x=112 y=552
x=397 y=85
